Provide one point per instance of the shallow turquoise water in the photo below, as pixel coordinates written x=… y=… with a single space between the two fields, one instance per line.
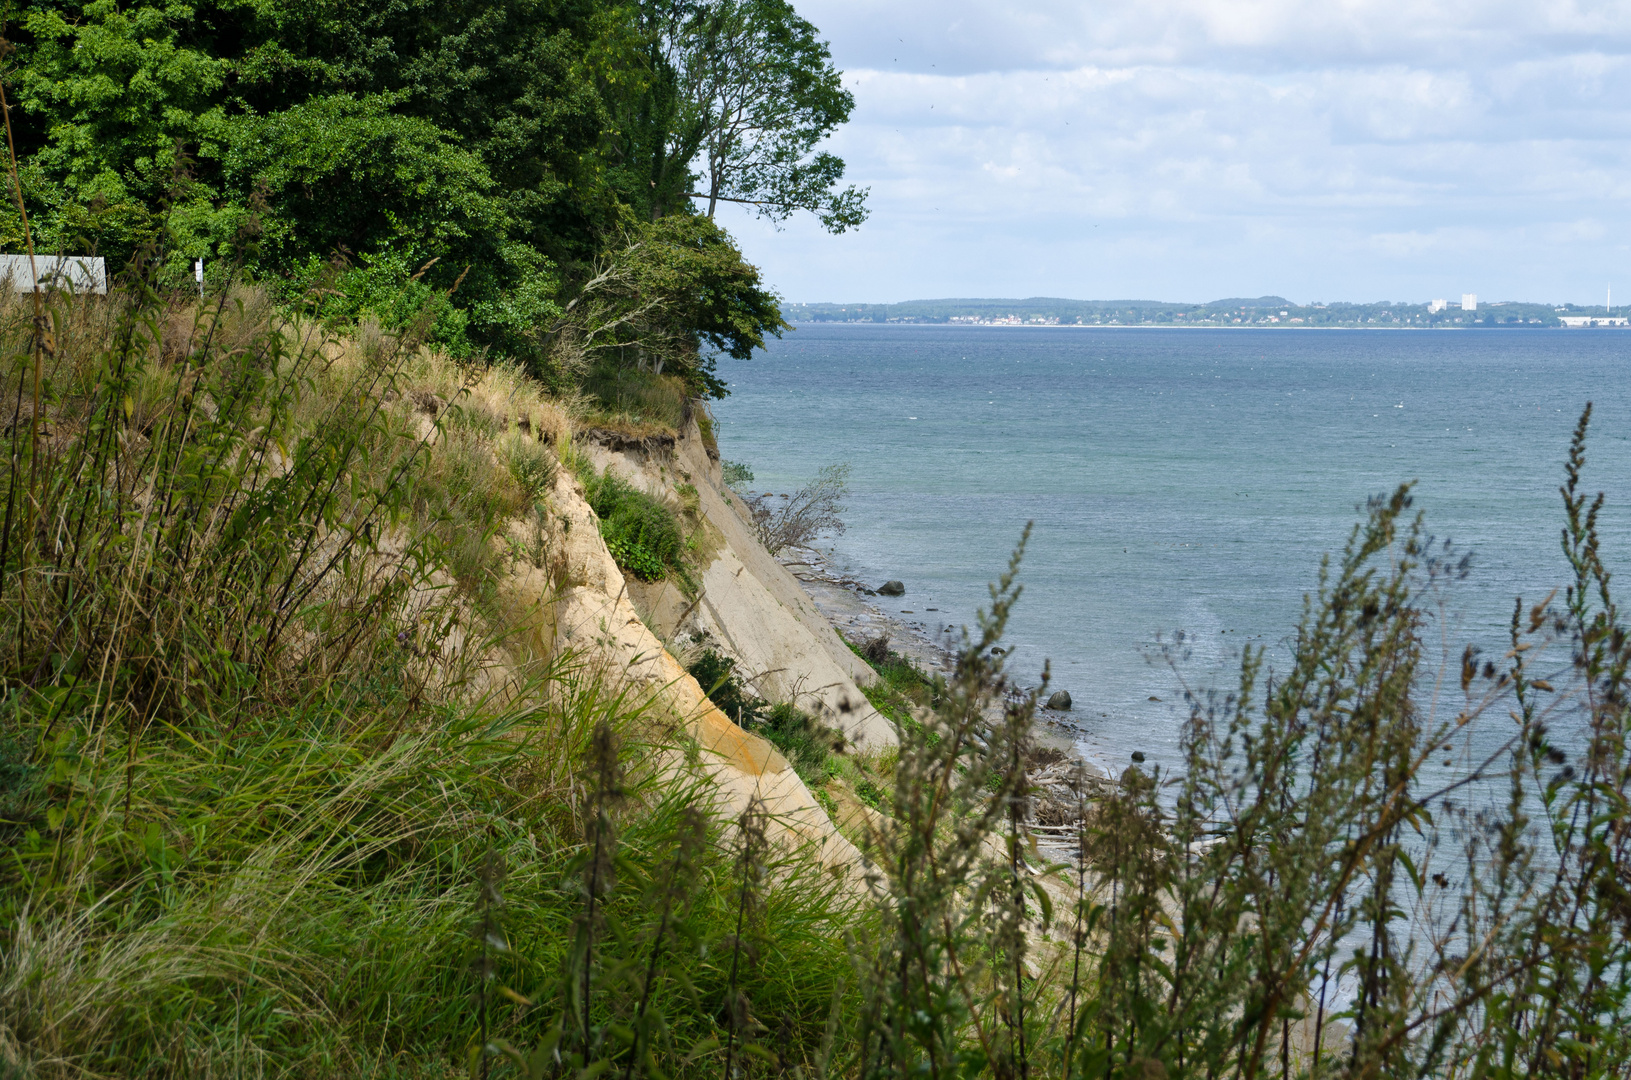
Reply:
x=1179 y=479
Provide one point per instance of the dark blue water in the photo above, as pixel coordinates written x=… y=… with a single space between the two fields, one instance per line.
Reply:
x=1179 y=479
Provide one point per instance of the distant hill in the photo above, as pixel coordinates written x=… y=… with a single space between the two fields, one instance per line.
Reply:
x=1231 y=311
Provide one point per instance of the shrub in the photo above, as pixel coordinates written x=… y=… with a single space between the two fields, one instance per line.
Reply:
x=641 y=532
x=716 y=674
x=901 y=685
x=814 y=509
x=804 y=741
x=734 y=473
x=532 y=464
x=386 y=286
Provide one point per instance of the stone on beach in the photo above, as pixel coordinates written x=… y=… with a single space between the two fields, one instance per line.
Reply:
x=1059 y=701
x=892 y=588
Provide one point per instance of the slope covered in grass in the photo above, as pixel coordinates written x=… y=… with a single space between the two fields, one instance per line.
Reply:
x=270 y=748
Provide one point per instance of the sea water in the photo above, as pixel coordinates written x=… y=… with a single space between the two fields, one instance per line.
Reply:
x=1179 y=480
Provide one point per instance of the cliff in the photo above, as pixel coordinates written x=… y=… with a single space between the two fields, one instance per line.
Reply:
x=746 y=605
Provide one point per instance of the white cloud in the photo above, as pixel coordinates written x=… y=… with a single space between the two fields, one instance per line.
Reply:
x=1195 y=148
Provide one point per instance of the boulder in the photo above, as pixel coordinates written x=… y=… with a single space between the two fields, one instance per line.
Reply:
x=1059 y=701
x=892 y=588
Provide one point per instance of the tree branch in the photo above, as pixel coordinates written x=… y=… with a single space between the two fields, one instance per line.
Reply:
x=748 y=202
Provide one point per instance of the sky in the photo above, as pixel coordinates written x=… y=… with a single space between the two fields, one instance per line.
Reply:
x=1189 y=150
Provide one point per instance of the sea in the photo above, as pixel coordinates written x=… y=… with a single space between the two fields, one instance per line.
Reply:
x=1182 y=485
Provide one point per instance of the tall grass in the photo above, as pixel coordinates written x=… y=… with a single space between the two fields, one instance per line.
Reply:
x=1479 y=920
x=277 y=797
x=268 y=757
x=1310 y=895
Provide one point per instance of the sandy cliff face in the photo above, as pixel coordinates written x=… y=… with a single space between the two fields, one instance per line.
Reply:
x=748 y=606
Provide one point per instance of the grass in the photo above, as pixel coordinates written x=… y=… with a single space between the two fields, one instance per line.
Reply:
x=805 y=743
x=280 y=796
x=901 y=687
x=634 y=401
x=262 y=737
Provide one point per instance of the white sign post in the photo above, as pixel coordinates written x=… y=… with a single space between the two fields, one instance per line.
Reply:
x=198 y=273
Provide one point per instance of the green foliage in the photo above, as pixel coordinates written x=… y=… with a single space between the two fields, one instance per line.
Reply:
x=805 y=742
x=735 y=473
x=670 y=296
x=760 y=93
x=16 y=776
x=532 y=465
x=747 y=87
x=901 y=686
x=391 y=291
x=479 y=144
x=716 y=674
x=641 y=532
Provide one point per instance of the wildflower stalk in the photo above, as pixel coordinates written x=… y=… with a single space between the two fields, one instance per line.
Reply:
x=688 y=844
x=751 y=833
x=598 y=874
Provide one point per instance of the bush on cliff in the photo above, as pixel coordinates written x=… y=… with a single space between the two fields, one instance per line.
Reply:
x=640 y=530
x=803 y=741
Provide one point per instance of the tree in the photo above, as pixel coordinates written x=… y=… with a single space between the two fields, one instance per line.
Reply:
x=757 y=89
x=675 y=293
x=502 y=149
x=657 y=129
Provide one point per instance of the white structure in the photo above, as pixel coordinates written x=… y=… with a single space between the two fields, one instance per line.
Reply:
x=1583 y=321
x=70 y=273
x=1469 y=301
x=1437 y=306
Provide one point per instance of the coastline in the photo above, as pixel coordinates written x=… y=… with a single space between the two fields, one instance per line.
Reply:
x=848 y=605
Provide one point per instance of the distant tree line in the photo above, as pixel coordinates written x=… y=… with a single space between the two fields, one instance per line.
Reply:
x=1263 y=310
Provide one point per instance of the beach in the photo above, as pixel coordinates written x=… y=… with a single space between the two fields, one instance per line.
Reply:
x=859 y=614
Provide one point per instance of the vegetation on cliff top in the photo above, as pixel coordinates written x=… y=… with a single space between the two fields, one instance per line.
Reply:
x=522 y=167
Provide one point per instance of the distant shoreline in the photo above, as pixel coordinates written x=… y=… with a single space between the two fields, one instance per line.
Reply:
x=1231 y=313
x=1182 y=326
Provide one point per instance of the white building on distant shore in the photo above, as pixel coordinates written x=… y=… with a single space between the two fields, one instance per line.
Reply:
x=1436 y=306
x=1469 y=301
x=1582 y=321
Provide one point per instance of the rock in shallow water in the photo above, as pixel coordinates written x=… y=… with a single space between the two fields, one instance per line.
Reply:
x=892 y=588
x=1059 y=701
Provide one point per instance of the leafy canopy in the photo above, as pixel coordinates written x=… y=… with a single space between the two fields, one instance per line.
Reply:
x=511 y=148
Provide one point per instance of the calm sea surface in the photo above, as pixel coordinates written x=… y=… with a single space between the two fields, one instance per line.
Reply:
x=1179 y=479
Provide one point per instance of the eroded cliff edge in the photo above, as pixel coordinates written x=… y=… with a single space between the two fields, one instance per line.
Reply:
x=745 y=605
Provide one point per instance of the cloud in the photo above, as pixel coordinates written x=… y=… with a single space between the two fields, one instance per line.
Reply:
x=1191 y=148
